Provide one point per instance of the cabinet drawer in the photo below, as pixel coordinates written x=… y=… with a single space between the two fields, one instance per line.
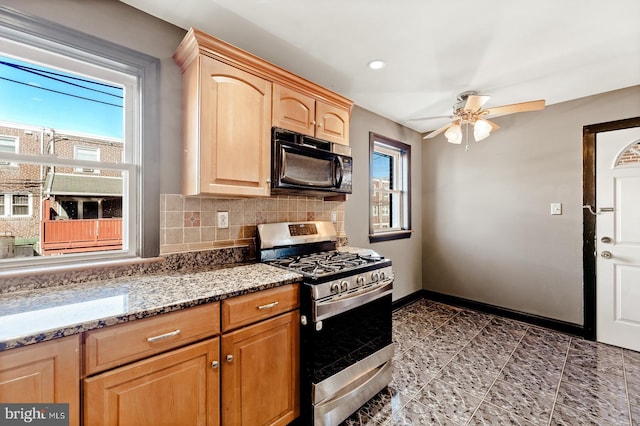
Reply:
x=247 y=309
x=116 y=345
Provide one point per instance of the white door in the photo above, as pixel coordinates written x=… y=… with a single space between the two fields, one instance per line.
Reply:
x=618 y=238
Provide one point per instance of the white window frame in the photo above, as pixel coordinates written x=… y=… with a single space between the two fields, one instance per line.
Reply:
x=9 y=205
x=12 y=141
x=399 y=195
x=79 y=148
x=57 y=46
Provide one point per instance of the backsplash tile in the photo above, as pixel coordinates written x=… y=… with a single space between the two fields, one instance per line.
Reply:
x=189 y=223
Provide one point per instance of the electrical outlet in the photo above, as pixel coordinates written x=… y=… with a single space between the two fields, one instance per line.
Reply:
x=223 y=220
x=334 y=217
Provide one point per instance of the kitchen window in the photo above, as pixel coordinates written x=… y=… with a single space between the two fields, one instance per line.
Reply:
x=65 y=86
x=390 y=194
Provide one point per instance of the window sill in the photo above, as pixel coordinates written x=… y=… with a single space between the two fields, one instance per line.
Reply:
x=389 y=236
x=74 y=267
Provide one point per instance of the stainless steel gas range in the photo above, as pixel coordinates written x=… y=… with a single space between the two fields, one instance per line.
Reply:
x=346 y=343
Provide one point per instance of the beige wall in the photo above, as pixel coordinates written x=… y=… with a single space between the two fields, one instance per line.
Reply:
x=406 y=253
x=488 y=235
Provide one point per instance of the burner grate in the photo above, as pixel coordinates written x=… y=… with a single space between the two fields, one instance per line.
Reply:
x=324 y=263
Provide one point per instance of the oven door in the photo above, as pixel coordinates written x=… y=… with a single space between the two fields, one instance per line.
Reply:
x=347 y=357
x=301 y=167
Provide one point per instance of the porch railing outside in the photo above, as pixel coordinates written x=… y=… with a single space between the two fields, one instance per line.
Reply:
x=81 y=235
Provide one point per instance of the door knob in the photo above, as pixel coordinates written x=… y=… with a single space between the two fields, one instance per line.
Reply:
x=605 y=239
x=606 y=254
x=229 y=358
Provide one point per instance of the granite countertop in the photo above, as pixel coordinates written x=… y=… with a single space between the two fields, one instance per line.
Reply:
x=34 y=316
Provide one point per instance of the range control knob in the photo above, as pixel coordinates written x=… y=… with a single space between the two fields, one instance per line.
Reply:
x=382 y=275
x=335 y=288
x=360 y=281
x=344 y=285
x=375 y=276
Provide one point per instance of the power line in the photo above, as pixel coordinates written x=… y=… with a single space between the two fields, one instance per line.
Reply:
x=43 y=73
x=60 y=92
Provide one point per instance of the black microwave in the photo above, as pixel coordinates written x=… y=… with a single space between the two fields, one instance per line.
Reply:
x=306 y=165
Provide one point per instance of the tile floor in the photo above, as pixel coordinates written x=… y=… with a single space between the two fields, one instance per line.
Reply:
x=456 y=366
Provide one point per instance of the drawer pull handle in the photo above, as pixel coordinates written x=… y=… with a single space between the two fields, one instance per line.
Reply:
x=229 y=358
x=268 y=305
x=163 y=336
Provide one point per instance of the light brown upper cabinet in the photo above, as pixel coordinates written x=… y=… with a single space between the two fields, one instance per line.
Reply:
x=229 y=108
x=304 y=114
x=227 y=130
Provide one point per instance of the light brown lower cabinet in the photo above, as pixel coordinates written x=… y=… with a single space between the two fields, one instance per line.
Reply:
x=179 y=387
x=174 y=369
x=260 y=372
x=43 y=373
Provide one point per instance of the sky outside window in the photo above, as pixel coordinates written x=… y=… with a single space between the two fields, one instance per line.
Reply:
x=41 y=96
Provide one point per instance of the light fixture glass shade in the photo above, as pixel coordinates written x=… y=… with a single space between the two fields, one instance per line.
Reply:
x=376 y=64
x=481 y=129
x=454 y=134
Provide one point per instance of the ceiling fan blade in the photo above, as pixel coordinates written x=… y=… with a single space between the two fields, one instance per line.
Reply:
x=437 y=132
x=475 y=102
x=434 y=117
x=513 y=108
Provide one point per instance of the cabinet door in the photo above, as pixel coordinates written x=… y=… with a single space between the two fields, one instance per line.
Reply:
x=235 y=131
x=332 y=123
x=180 y=387
x=260 y=373
x=43 y=373
x=293 y=110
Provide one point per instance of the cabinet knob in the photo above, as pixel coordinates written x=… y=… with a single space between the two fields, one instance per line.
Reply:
x=229 y=358
x=214 y=364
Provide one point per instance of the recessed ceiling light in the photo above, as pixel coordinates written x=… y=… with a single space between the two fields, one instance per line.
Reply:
x=376 y=64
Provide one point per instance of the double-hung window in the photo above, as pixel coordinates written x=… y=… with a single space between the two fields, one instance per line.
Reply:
x=15 y=205
x=390 y=193
x=61 y=88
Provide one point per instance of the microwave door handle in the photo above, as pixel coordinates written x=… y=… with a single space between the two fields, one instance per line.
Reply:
x=339 y=171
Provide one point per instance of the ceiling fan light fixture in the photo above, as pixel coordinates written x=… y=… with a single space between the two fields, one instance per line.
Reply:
x=481 y=129
x=454 y=134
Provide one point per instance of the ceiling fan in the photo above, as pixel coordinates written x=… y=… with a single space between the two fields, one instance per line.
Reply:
x=468 y=111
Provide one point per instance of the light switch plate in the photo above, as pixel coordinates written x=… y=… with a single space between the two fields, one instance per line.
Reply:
x=223 y=220
x=556 y=208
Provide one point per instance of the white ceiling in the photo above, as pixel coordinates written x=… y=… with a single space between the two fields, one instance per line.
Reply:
x=515 y=51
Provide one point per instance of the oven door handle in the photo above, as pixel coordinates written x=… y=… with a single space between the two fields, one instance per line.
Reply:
x=328 y=309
